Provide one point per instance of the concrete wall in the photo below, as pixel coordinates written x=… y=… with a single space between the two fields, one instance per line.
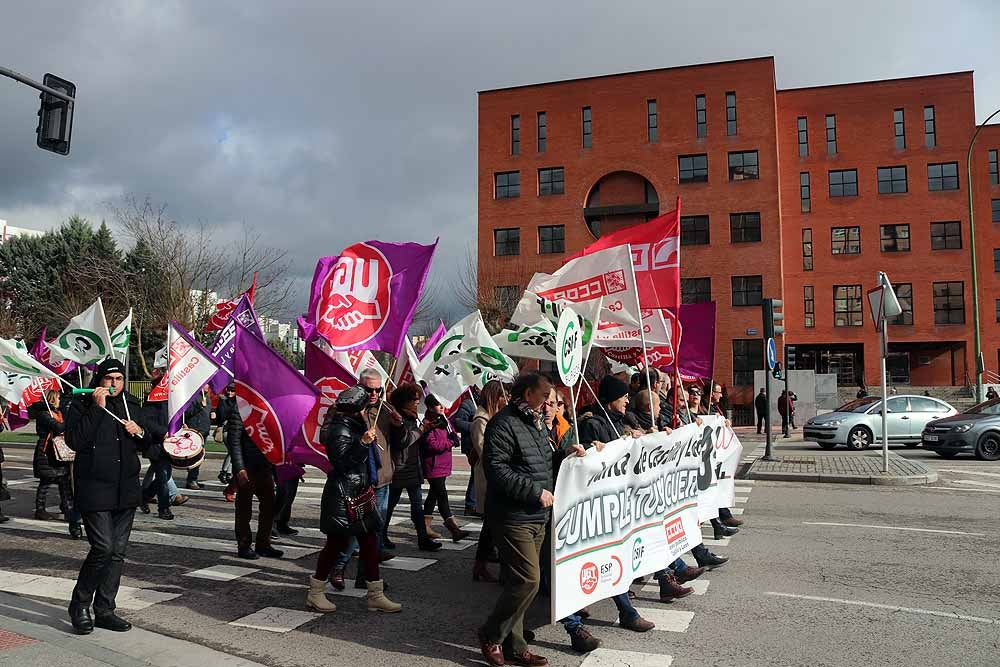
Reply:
x=815 y=391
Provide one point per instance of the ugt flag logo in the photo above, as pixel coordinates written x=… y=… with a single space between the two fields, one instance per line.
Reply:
x=356 y=297
x=260 y=421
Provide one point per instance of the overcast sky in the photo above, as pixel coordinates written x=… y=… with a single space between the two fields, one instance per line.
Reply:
x=322 y=124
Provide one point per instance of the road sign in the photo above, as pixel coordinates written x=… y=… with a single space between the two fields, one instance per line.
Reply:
x=772 y=354
x=883 y=302
x=569 y=347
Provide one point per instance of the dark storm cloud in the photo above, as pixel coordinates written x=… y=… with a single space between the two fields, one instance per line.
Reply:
x=321 y=124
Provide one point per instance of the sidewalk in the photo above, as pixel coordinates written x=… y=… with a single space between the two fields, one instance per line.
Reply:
x=852 y=469
x=38 y=633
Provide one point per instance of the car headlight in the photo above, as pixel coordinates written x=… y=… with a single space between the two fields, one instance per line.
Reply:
x=835 y=422
x=962 y=428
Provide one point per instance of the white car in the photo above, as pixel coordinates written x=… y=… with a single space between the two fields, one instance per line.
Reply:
x=858 y=424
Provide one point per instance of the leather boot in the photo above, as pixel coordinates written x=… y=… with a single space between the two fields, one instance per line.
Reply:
x=337 y=578
x=79 y=616
x=430 y=531
x=671 y=590
x=316 y=598
x=377 y=601
x=690 y=574
x=43 y=515
x=481 y=573
x=457 y=534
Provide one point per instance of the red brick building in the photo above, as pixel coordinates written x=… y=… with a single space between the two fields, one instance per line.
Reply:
x=801 y=195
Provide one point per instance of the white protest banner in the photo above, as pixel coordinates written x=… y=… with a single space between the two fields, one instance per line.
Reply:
x=607 y=273
x=86 y=339
x=632 y=509
x=723 y=462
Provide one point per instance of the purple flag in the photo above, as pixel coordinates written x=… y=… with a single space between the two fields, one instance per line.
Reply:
x=42 y=353
x=330 y=378
x=16 y=416
x=435 y=338
x=274 y=399
x=364 y=299
x=225 y=343
x=697 y=353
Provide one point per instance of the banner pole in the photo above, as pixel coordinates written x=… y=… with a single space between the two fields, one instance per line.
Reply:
x=576 y=426
x=380 y=403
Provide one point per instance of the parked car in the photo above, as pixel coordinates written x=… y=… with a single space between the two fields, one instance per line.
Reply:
x=858 y=424
x=977 y=431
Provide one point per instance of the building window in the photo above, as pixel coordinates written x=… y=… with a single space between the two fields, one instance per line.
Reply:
x=748 y=356
x=507 y=242
x=693 y=168
x=744 y=227
x=506 y=297
x=895 y=238
x=587 y=127
x=930 y=128
x=803 y=127
x=551 y=181
x=997 y=306
x=805 y=198
x=946 y=236
x=551 y=239
x=651 y=121
x=949 y=303
x=701 y=116
x=743 y=166
x=899 y=129
x=844 y=183
x=904 y=294
x=847 y=310
x=731 y=114
x=809 y=307
x=807 y=249
x=696 y=290
x=994 y=175
x=507 y=184
x=891 y=180
x=831 y=134
x=695 y=230
x=995 y=210
x=845 y=240
x=543 y=131
x=996 y=260
x=943 y=176
x=747 y=290
x=515 y=135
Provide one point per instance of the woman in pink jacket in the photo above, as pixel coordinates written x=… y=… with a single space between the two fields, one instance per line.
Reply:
x=435 y=451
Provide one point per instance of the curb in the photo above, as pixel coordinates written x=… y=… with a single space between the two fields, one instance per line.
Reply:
x=908 y=480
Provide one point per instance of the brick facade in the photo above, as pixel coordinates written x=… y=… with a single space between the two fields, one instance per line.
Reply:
x=621 y=158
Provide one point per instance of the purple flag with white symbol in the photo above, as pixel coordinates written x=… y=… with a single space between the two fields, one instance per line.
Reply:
x=225 y=343
x=273 y=398
x=365 y=298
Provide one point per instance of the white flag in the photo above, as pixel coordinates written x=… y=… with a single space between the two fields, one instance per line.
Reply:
x=607 y=273
x=86 y=339
x=482 y=360
x=439 y=368
x=537 y=341
x=15 y=359
x=120 y=338
x=190 y=368
x=12 y=385
x=615 y=334
x=532 y=307
x=357 y=361
x=162 y=358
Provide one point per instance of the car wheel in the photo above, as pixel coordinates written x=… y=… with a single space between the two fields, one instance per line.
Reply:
x=988 y=448
x=827 y=445
x=947 y=455
x=859 y=438
x=912 y=445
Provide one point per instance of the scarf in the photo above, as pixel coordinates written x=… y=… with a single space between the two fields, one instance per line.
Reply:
x=536 y=417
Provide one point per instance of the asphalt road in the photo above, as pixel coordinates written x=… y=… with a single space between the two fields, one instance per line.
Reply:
x=798 y=591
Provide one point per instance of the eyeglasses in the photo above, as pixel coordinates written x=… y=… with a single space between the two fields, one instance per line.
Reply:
x=373 y=390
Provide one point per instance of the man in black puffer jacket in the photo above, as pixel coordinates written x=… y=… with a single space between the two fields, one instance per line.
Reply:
x=517 y=458
x=106 y=476
x=254 y=477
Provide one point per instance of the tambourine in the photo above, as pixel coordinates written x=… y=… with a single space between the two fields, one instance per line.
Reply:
x=61 y=450
x=185 y=449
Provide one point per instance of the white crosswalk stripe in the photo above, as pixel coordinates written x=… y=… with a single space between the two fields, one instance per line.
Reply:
x=60 y=588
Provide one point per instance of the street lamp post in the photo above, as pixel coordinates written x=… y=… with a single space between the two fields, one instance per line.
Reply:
x=972 y=248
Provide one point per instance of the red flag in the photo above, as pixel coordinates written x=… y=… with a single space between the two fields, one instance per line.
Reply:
x=160 y=392
x=224 y=309
x=37 y=388
x=656 y=254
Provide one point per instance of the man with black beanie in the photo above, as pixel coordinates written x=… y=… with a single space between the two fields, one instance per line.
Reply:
x=106 y=430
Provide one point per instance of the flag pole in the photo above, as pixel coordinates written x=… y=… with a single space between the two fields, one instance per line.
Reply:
x=642 y=337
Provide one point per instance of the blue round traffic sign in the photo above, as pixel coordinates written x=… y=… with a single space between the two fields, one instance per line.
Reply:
x=772 y=354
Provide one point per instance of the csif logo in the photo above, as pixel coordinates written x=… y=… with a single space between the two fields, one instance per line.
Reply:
x=638 y=551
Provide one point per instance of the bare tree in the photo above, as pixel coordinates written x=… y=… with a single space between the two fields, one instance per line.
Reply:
x=476 y=290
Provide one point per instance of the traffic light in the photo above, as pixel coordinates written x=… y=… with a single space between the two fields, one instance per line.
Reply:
x=55 y=117
x=776 y=373
x=772 y=319
x=790 y=357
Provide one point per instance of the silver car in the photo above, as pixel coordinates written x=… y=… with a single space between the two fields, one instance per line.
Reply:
x=858 y=424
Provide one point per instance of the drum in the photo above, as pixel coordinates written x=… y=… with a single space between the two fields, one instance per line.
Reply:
x=185 y=449
x=61 y=450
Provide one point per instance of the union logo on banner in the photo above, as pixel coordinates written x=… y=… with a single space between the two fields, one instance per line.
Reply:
x=604 y=284
x=261 y=423
x=329 y=389
x=160 y=392
x=38 y=386
x=355 y=297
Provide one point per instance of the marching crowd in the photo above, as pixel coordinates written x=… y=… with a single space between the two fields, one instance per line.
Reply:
x=379 y=446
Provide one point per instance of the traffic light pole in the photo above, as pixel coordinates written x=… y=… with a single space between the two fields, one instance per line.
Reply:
x=788 y=403
x=767 y=413
x=20 y=78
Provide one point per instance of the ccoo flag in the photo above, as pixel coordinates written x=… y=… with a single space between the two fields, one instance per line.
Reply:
x=86 y=339
x=224 y=345
x=274 y=399
x=190 y=367
x=365 y=298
